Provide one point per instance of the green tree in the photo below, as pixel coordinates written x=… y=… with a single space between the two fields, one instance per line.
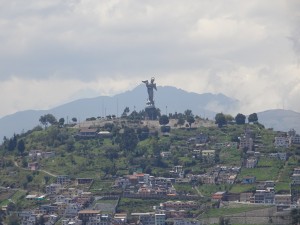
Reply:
x=74 y=119
x=180 y=121
x=190 y=119
x=125 y=112
x=128 y=139
x=220 y=119
x=61 y=122
x=252 y=118
x=46 y=179
x=21 y=146
x=188 y=112
x=143 y=133
x=163 y=120
x=47 y=119
x=229 y=118
x=12 y=143
x=240 y=119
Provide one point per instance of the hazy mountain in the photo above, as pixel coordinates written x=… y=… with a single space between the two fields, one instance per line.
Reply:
x=280 y=119
x=168 y=99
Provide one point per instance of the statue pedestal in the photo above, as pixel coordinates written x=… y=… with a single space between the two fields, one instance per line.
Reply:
x=151 y=112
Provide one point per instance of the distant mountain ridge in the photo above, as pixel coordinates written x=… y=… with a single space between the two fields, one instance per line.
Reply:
x=280 y=119
x=168 y=99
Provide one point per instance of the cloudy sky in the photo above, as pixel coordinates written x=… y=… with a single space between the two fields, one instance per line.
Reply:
x=55 y=51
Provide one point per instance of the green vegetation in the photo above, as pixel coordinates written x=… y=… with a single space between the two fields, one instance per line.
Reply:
x=230 y=210
x=130 y=205
x=136 y=146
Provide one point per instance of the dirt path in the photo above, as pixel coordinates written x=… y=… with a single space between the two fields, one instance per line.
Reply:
x=51 y=174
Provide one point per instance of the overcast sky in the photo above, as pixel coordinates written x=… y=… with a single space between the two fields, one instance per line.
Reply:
x=55 y=51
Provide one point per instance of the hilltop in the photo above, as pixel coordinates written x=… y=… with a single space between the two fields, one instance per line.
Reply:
x=174 y=162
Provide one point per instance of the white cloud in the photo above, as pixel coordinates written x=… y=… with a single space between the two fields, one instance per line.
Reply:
x=81 y=48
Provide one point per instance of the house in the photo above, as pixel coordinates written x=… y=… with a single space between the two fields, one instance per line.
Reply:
x=27 y=217
x=283 y=199
x=282 y=156
x=208 y=153
x=84 y=181
x=31 y=197
x=269 y=184
x=178 y=169
x=179 y=205
x=35 y=154
x=33 y=166
x=279 y=155
x=246 y=196
x=71 y=221
x=294 y=140
x=51 y=219
x=264 y=197
x=187 y=221
x=251 y=162
x=231 y=179
x=104 y=134
x=103 y=219
x=249 y=180
x=295 y=192
x=48 y=209
x=246 y=142
x=63 y=179
x=47 y=155
x=296 y=178
x=87 y=133
x=296 y=171
x=84 y=215
x=281 y=141
x=119 y=219
x=165 y=154
x=218 y=196
x=151 y=218
x=53 y=189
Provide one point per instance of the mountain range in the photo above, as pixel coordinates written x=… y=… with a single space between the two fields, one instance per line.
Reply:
x=168 y=99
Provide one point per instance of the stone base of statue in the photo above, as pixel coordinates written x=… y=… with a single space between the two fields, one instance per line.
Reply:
x=151 y=112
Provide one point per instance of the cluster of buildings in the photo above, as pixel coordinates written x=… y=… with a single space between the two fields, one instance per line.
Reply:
x=285 y=140
x=143 y=185
x=66 y=203
x=219 y=175
x=35 y=155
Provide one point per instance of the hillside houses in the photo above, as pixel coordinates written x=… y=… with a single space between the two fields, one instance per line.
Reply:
x=143 y=185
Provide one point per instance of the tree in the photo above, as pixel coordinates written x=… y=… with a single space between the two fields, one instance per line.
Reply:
x=47 y=119
x=21 y=146
x=180 y=121
x=240 y=119
x=188 y=112
x=46 y=179
x=190 y=119
x=220 y=119
x=74 y=119
x=51 y=119
x=125 y=112
x=252 y=118
x=12 y=143
x=163 y=120
x=128 y=139
x=229 y=118
x=61 y=122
